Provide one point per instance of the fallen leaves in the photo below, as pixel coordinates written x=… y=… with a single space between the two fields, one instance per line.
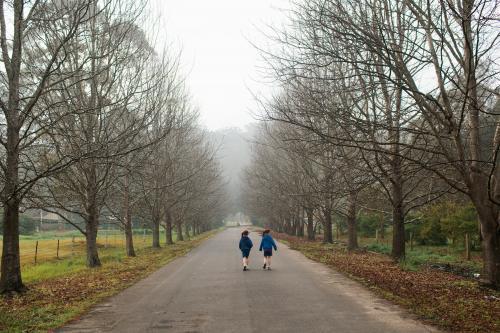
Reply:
x=441 y=298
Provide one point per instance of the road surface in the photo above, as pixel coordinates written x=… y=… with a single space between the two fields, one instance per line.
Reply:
x=207 y=291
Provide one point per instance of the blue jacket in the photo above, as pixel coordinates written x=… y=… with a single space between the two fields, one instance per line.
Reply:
x=245 y=243
x=267 y=243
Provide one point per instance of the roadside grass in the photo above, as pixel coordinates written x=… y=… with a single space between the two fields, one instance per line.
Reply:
x=446 y=257
x=447 y=300
x=72 y=244
x=424 y=257
x=61 y=290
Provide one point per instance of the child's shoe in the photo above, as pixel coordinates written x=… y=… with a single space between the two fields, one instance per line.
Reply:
x=264 y=267
x=269 y=268
x=244 y=268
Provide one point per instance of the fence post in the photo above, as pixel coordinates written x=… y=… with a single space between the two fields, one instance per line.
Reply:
x=376 y=235
x=144 y=235
x=72 y=245
x=467 y=247
x=411 y=241
x=36 y=251
x=57 y=254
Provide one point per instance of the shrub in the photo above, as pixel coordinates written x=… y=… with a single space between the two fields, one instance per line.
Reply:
x=368 y=223
x=462 y=220
x=443 y=221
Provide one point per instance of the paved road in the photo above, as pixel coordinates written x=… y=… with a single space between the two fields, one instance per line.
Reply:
x=206 y=291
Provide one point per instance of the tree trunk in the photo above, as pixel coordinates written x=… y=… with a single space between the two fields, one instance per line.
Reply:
x=352 y=242
x=129 y=240
x=300 y=226
x=293 y=226
x=328 y=236
x=156 y=233
x=180 y=236
x=91 y=227
x=491 y=254
x=479 y=183
x=10 y=279
x=490 y=232
x=129 y=237
x=398 y=226
x=300 y=222
x=11 y=263
x=381 y=227
x=398 y=237
x=186 y=228
x=168 y=229
x=310 y=223
x=288 y=226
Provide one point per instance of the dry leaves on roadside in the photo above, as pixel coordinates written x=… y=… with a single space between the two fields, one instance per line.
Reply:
x=449 y=301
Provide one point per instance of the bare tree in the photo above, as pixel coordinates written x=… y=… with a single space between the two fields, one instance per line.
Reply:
x=111 y=111
x=41 y=29
x=379 y=52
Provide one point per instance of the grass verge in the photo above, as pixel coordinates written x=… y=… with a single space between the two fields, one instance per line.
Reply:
x=60 y=291
x=446 y=300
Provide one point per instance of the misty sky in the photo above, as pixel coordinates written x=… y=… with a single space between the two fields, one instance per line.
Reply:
x=220 y=63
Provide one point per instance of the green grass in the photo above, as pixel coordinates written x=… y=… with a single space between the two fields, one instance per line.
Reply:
x=60 y=290
x=56 y=268
x=422 y=255
x=72 y=244
x=53 y=269
x=426 y=255
x=379 y=248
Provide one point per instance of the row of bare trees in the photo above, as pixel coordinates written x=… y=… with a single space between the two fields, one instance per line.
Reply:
x=398 y=97
x=96 y=122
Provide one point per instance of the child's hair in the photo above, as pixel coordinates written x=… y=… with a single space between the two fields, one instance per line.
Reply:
x=244 y=233
x=266 y=231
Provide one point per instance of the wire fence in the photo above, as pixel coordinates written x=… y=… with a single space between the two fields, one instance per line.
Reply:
x=36 y=251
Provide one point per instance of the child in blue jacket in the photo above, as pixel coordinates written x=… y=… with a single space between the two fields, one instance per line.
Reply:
x=245 y=247
x=267 y=243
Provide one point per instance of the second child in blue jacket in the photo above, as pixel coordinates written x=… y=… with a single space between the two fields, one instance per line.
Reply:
x=245 y=247
x=267 y=244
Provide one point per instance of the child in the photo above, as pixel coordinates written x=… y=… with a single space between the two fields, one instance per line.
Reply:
x=267 y=243
x=245 y=247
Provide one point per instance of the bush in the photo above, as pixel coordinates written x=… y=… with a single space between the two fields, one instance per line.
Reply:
x=414 y=228
x=368 y=224
x=443 y=221
x=431 y=232
x=462 y=220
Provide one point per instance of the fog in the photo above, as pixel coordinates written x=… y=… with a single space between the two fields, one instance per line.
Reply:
x=233 y=154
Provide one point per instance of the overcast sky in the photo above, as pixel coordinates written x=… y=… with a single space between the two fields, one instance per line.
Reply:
x=219 y=61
